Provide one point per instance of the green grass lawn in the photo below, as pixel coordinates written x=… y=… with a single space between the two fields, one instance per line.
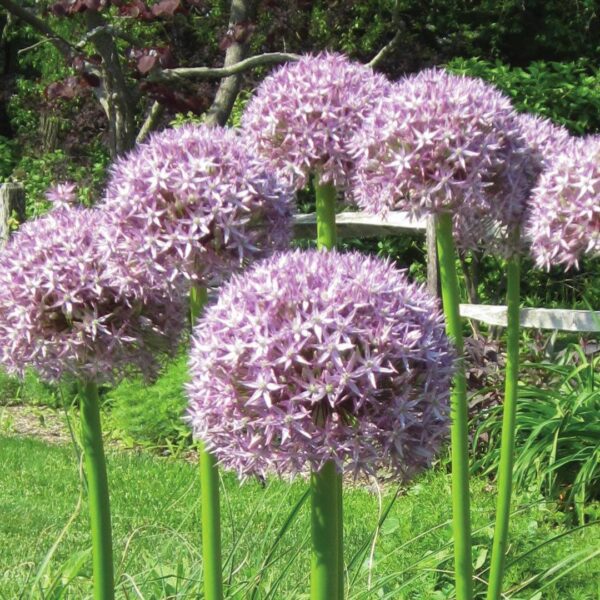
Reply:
x=157 y=539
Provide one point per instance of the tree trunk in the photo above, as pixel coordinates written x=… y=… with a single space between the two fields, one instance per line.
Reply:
x=114 y=94
x=242 y=11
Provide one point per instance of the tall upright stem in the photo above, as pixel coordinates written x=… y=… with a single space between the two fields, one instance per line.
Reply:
x=97 y=489
x=459 y=433
x=507 y=445
x=327 y=573
x=324 y=579
x=209 y=489
x=325 y=196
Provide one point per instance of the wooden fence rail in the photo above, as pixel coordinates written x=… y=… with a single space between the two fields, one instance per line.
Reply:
x=362 y=225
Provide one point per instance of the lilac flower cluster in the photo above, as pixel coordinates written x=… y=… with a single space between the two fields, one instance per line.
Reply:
x=316 y=356
x=444 y=143
x=197 y=203
x=305 y=113
x=62 y=195
x=564 y=213
x=544 y=138
x=69 y=304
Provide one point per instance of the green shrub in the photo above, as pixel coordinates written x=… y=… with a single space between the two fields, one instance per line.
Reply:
x=9 y=388
x=7 y=158
x=32 y=390
x=151 y=415
x=558 y=431
x=564 y=92
x=38 y=173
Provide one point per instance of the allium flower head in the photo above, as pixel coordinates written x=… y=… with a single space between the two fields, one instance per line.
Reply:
x=198 y=203
x=304 y=114
x=564 y=213
x=62 y=195
x=443 y=143
x=316 y=356
x=543 y=137
x=68 y=305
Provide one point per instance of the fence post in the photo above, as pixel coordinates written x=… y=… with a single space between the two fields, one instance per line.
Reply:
x=432 y=263
x=12 y=200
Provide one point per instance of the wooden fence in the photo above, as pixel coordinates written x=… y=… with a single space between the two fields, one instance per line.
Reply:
x=12 y=203
x=362 y=225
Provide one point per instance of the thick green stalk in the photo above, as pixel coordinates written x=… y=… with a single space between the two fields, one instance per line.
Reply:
x=340 y=533
x=459 y=433
x=325 y=196
x=97 y=489
x=209 y=489
x=198 y=298
x=324 y=580
x=507 y=446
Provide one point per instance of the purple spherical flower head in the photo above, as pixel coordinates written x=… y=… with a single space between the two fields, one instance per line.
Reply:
x=564 y=214
x=543 y=137
x=62 y=195
x=305 y=113
x=68 y=305
x=198 y=203
x=316 y=356
x=443 y=143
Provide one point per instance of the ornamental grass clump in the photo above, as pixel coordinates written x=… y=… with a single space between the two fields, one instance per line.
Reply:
x=452 y=147
x=197 y=202
x=70 y=305
x=564 y=215
x=319 y=360
x=304 y=115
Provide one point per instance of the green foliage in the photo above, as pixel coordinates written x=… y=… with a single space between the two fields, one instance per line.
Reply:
x=23 y=109
x=183 y=118
x=31 y=390
x=7 y=157
x=37 y=174
x=265 y=533
x=558 y=431
x=567 y=93
x=151 y=415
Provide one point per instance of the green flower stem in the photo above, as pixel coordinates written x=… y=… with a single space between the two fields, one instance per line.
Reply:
x=324 y=580
x=340 y=534
x=198 y=298
x=325 y=195
x=209 y=488
x=507 y=445
x=97 y=489
x=459 y=434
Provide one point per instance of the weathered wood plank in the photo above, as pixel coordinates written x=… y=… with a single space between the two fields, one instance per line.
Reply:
x=360 y=225
x=12 y=200
x=536 y=318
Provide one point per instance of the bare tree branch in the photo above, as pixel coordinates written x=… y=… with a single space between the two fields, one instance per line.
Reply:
x=393 y=43
x=260 y=60
x=386 y=50
x=62 y=45
x=154 y=114
x=241 y=13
